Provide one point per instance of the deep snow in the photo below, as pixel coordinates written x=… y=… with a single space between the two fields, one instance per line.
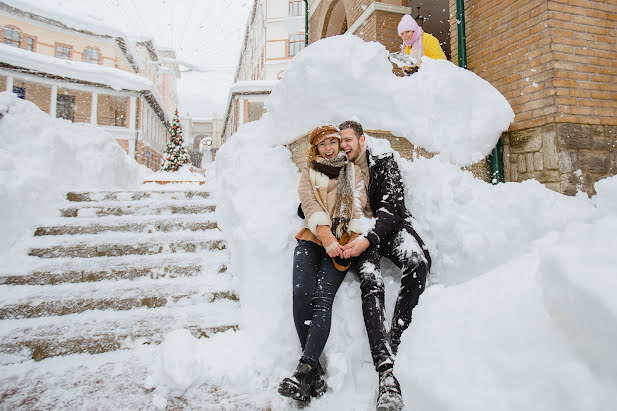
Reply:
x=519 y=314
x=41 y=158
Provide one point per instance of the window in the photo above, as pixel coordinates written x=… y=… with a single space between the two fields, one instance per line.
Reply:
x=65 y=107
x=63 y=52
x=296 y=43
x=296 y=7
x=92 y=56
x=29 y=43
x=11 y=37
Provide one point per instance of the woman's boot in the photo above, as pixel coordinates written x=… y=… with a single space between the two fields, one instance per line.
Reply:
x=298 y=386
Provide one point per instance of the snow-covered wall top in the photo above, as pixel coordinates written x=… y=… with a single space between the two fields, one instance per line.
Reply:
x=113 y=77
x=443 y=108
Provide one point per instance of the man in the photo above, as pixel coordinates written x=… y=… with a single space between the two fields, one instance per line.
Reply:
x=393 y=237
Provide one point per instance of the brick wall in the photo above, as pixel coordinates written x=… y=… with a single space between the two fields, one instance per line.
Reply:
x=153 y=161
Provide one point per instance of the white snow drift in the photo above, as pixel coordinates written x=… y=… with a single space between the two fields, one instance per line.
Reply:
x=520 y=314
x=41 y=158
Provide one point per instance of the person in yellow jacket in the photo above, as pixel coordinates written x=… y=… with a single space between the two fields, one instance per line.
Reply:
x=417 y=43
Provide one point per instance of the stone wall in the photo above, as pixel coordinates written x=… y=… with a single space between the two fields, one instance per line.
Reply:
x=565 y=157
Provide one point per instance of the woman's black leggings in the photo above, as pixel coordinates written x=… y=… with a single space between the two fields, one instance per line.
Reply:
x=315 y=283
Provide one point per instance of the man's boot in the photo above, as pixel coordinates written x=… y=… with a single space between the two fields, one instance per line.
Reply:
x=389 y=398
x=298 y=386
x=318 y=386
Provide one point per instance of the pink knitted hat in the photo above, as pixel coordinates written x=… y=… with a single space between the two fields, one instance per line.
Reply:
x=407 y=23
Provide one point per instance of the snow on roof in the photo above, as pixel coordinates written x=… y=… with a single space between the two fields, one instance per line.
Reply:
x=110 y=76
x=249 y=86
x=56 y=16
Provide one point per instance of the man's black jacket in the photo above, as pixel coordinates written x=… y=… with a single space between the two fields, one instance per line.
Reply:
x=386 y=197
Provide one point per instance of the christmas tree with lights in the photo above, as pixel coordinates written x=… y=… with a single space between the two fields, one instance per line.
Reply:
x=175 y=155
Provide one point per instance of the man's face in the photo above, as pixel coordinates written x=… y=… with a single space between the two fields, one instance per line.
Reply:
x=351 y=143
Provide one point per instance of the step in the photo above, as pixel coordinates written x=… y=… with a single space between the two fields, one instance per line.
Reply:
x=115 y=380
x=29 y=301
x=143 y=208
x=77 y=270
x=123 y=226
x=114 y=250
x=135 y=195
x=102 y=331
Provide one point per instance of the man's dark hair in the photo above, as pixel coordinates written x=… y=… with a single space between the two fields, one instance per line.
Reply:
x=354 y=125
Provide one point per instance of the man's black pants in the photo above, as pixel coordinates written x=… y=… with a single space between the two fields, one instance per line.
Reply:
x=406 y=250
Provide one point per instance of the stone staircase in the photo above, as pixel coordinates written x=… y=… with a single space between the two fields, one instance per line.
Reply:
x=118 y=268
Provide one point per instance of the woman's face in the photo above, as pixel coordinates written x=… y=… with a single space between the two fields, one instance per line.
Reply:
x=329 y=147
x=407 y=35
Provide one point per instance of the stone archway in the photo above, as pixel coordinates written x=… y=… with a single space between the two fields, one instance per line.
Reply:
x=335 y=21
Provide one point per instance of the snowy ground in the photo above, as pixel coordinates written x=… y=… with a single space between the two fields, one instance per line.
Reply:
x=520 y=313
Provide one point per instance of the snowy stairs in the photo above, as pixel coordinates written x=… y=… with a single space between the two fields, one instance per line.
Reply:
x=118 y=269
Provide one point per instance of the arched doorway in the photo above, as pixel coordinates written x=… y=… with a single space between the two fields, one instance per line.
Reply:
x=335 y=22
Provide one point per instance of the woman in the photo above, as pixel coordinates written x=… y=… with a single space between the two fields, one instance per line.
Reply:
x=417 y=43
x=332 y=197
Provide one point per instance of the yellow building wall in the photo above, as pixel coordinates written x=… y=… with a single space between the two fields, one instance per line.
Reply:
x=45 y=40
x=38 y=94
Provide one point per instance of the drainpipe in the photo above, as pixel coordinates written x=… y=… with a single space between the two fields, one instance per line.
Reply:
x=495 y=160
x=306 y=22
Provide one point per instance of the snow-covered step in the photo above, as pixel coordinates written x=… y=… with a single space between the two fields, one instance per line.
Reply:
x=125 y=248
x=101 y=331
x=77 y=270
x=136 y=195
x=162 y=225
x=28 y=301
x=108 y=381
x=124 y=208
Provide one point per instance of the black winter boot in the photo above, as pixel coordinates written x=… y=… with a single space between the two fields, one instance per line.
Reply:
x=389 y=398
x=318 y=386
x=298 y=387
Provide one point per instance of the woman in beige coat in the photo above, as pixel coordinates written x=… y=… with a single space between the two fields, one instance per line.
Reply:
x=332 y=196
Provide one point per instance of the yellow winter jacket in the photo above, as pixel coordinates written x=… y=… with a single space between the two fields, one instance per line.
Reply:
x=431 y=47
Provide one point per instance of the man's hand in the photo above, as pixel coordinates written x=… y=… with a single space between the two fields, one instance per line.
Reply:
x=355 y=247
x=334 y=249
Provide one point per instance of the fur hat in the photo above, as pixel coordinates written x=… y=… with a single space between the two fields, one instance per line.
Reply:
x=322 y=132
x=407 y=23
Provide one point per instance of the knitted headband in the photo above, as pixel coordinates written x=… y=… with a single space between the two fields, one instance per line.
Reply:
x=322 y=132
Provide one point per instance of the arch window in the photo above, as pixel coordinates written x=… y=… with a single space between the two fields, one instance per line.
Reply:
x=11 y=37
x=92 y=56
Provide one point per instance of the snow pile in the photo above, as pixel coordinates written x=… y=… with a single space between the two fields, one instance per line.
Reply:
x=41 y=158
x=443 y=108
x=520 y=313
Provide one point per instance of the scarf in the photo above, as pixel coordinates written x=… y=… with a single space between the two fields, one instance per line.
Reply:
x=339 y=167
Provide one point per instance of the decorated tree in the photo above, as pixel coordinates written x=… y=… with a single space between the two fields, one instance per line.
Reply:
x=175 y=154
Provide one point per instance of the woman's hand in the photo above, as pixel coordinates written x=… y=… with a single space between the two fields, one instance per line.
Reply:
x=334 y=249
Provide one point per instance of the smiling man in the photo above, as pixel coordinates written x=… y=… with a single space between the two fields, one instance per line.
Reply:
x=393 y=237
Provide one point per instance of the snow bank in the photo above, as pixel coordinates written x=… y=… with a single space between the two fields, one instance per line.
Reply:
x=443 y=108
x=41 y=158
x=505 y=324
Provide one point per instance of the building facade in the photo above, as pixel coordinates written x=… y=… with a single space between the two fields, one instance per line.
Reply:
x=554 y=60
x=87 y=77
x=274 y=35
